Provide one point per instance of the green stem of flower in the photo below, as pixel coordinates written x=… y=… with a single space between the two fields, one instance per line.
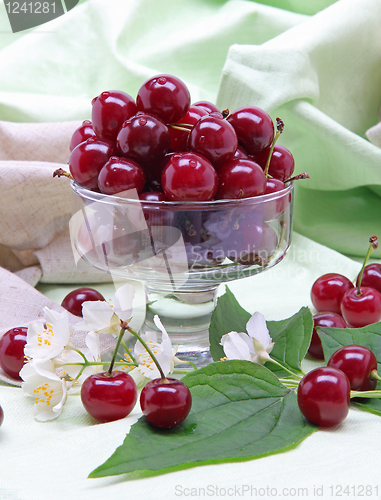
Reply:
x=294 y=375
x=129 y=352
x=120 y=338
x=183 y=362
x=138 y=337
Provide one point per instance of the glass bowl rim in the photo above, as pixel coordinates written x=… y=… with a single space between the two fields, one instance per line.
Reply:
x=223 y=203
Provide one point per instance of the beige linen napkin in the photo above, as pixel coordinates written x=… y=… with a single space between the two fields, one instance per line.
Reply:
x=35 y=208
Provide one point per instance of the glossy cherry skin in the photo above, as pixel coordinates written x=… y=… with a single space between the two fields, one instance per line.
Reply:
x=165 y=404
x=328 y=319
x=109 y=397
x=324 y=395
x=357 y=362
x=110 y=110
x=371 y=276
x=254 y=128
x=87 y=159
x=153 y=196
x=275 y=208
x=12 y=351
x=214 y=138
x=361 y=309
x=282 y=163
x=121 y=174
x=240 y=178
x=74 y=300
x=81 y=134
x=144 y=139
x=328 y=291
x=165 y=96
x=208 y=106
x=179 y=138
x=189 y=177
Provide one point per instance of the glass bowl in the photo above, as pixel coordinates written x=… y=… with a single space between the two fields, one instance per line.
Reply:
x=181 y=251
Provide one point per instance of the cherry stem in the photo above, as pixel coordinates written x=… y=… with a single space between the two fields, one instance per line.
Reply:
x=366 y=394
x=118 y=342
x=374 y=375
x=129 y=352
x=298 y=177
x=373 y=243
x=185 y=127
x=279 y=127
x=138 y=337
x=60 y=172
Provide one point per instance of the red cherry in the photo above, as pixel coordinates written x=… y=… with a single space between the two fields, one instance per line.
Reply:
x=165 y=403
x=121 y=174
x=254 y=128
x=81 y=134
x=324 y=395
x=371 y=276
x=357 y=362
x=179 y=138
x=240 y=178
x=214 y=138
x=361 y=309
x=328 y=319
x=109 y=397
x=143 y=138
x=208 y=106
x=110 y=110
x=165 y=96
x=12 y=351
x=74 y=300
x=328 y=290
x=189 y=177
x=282 y=162
x=153 y=196
x=87 y=159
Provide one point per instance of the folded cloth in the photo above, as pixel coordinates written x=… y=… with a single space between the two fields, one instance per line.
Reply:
x=20 y=304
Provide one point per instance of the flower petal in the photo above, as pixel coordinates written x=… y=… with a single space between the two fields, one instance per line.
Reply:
x=237 y=346
x=257 y=328
x=97 y=316
x=123 y=301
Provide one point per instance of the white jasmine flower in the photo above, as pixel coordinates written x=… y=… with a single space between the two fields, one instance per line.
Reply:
x=164 y=353
x=255 y=345
x=46 y=340
x=48 y=390
x=101 y=317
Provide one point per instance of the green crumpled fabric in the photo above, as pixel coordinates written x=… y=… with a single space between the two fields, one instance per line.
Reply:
x=316 y=64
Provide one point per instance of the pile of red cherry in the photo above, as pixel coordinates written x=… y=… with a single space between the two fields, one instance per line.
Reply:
x=169 y=149
x=341 y=304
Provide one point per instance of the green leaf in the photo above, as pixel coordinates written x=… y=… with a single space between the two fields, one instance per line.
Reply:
x=368 y=336
x=292 y=337
x=240 y=411
x=227 y=316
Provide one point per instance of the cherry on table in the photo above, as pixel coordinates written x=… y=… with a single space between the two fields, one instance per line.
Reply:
x=361 y=306
x=326 y=319
x=12 y=351
x=371 y=276
x=328 y=290
x=109 y=397
x=324 y=396
x=74 y=300
x=358 y=363
x=165 y=403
